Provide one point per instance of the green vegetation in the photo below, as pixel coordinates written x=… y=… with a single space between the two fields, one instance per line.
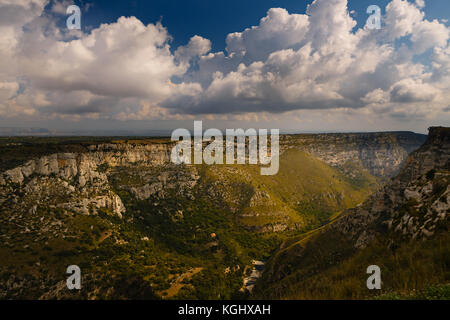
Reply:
x=162 y=238
x=437 y=292
x=195 y=233
x=306 y=192
x=17 y=150
x=326 y=266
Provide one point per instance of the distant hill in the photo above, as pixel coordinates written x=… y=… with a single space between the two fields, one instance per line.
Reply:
x=15 y=131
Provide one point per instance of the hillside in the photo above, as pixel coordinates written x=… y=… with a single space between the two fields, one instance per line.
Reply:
x=403 y=228
x=141 y=227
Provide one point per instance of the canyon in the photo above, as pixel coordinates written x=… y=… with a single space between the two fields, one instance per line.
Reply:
x=119 y=206
x=403 y=227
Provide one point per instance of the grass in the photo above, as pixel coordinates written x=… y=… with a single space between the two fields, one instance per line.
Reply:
x=305 y=194
x=330 y=271
x=436 y=292
x=306 y=191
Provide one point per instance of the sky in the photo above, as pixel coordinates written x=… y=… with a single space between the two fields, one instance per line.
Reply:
x=305 y=66
x=214 y=20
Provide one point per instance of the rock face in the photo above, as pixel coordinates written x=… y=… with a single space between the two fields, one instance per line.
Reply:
x=180 y=180
x=80 y=176
x=58 y=208
x=413 y=204
x=83 y=166
x=382 y=154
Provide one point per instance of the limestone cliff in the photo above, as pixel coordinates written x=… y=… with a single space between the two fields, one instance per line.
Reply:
x=402 y=227
x=82 y=177
x=415 y=202
x=382 y=154
x=79 y=176
x=117 y=207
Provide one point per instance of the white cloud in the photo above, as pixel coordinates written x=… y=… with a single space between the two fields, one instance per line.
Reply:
x=123 y=59
x=376 y=96
x=60 y=7
x=429 y=35
x=197 y=46
x=405 y=19
x=93 y=74
x=278 y=30
x=413 y=90
x=318 y=60
x=420 y=3
x=402 y=18
x=8 y=90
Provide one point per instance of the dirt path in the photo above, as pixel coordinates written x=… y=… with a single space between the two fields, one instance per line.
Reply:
x=177 y=284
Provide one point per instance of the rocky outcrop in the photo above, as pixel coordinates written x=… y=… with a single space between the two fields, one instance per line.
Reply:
x=43 y=204
x=83 y=174
x=382 y=154
x=110 y=201
x=80 y=176
x=83 y=166
x=413 y=207
x=180 y=181
x=414 y=204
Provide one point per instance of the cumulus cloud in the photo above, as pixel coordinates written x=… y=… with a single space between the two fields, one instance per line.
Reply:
x=411 y=90
x=96 y=73
x=60 y=7
x=197 y=46
x=277 y=31
x=313 y=61
x=420 y=3
x=121 y=59
x=405 y=19
x=319 y=61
